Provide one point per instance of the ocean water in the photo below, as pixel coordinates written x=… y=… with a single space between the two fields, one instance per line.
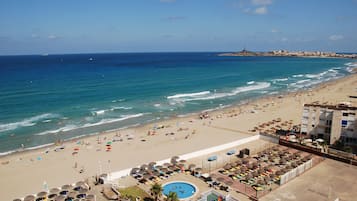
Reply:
x=44 y=98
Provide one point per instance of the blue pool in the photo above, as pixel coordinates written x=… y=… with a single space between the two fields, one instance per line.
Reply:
x=183 y=189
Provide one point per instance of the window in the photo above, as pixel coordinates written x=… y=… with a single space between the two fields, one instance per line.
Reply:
x=312 y=125
x=345 y=114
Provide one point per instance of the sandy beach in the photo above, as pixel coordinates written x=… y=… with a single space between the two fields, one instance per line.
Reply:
x=27 y=173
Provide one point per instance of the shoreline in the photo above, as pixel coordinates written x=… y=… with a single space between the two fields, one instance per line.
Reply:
x=190 y=115
x=224 y=126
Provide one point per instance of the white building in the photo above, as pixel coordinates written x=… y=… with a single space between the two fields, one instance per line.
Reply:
x=330 y=122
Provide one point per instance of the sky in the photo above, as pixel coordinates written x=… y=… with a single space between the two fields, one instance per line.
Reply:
x=103 y=26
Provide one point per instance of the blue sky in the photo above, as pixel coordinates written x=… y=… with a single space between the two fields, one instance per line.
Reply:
x=90 y=26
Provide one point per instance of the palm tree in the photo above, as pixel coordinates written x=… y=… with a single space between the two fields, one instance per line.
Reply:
x=172 y=196
x=156 y=191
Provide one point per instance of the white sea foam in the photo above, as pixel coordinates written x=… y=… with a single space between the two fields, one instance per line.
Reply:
x=120 y=108
x=157 y=105
x=299 y=75
x=26 y=122
x=280 y=79
x=198 y=94
x=250 y=82
x=101 y=122
x=207 y=95
x=119 y=100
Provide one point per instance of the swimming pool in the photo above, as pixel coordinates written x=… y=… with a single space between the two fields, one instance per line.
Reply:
x=183 y=189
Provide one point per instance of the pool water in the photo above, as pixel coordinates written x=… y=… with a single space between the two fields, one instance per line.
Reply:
x=183 y=189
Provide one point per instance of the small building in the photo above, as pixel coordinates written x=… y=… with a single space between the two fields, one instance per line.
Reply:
x=330 y=122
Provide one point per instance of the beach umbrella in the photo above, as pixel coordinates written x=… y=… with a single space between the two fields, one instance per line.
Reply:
x=54 y=190
x=144 y=167
x=198 y=169
x=30 y=198
x=134 y=170
x=227 y=167
x=152 y=164
x=220 y=179
x=233 y=164
x=164 y=170
x=182 y=161
x=239 y=162
x=90 y=197
x=17 y=199
x=174 y=159
x=81 y=184
x=167 y=164
x=158 y=167
x=60 y=198
x=52 y=196
x=66 y=187
x=191 y=166
x=238 y=171
x=72 y=194
x=180 y=165
x=229 y=183
x=83 y=191
x=42 y=194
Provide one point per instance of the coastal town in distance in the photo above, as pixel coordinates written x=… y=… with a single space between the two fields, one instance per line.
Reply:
x=178 y=100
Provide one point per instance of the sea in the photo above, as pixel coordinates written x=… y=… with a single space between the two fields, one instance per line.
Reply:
x=44 y=98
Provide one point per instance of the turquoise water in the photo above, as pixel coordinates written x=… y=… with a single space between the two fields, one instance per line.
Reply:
x=44 y=98
x=182 y=189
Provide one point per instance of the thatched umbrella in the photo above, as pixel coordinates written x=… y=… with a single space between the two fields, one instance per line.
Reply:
x=233 y=164
x=182 y=161
x=134 y=171
x=180 y=165
x=191 y=166
x=220 y=179
x=90 y=197
x=164 y=170
x=144 y=167
x=261 y=182
x=72 y=194
x=17 y=199
x=167 y=164
x=52 y=196
x=54 y=190
x=158 y=167
x=245 y=160
x=229 y=183
x=255 y=165
x=198 y=169
x=60 y=198
x=42 y=194
x=66 y=187
x=174 y=159
x=250 y=166
x=227 y=167
x=255 y=174
x=30 y=198
x=248 y=176
x=239 y=162
x=238 y=171
x=279 y=172
x=152 y=164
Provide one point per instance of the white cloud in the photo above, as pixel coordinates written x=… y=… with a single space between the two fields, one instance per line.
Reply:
x=261 y=10
x=261 y=2
x=274 y=31
x=336 y=37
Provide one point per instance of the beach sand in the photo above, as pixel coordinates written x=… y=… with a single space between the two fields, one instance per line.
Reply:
x=29 y=172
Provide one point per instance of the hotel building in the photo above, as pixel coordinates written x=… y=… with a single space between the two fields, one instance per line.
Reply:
x=330 y=122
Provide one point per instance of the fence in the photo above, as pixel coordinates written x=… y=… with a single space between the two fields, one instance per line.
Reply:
x=295 y=172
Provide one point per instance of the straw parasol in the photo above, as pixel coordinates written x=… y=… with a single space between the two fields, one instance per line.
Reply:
x=30 y=198
x=17 y=199
x=152 y=164
x=191 y=166
x=134 y=170
x=220 y=179
x=198 y=169
x=66 y=187
x=144 y=167
x=54 y=190
x=227 y=167
x=167 y=164
x=60 y=198
x=229 y=183
x=182 y=161
x=42 y=194
x=72 y=194
x=174 y=159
